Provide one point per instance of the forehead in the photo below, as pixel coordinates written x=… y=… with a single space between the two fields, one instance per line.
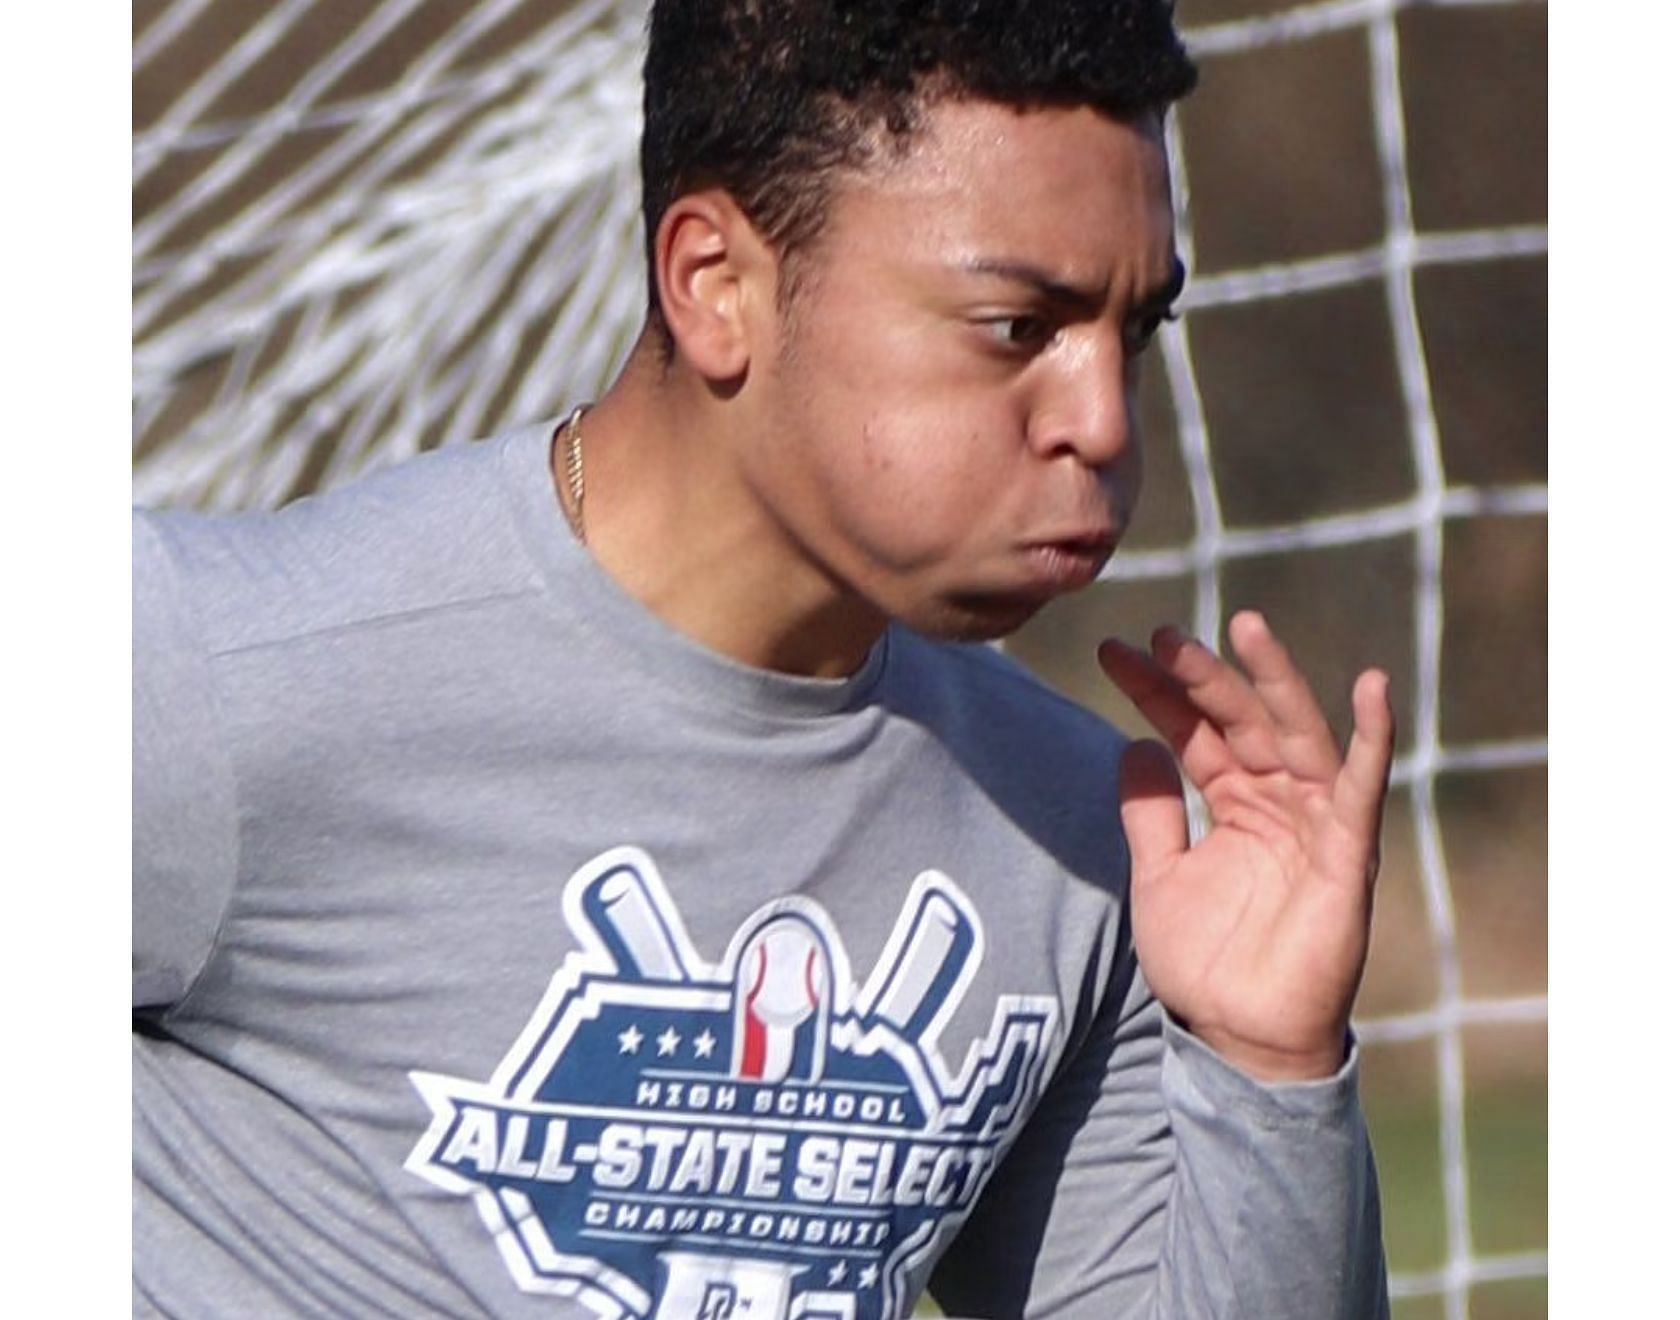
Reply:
x=1067 y=189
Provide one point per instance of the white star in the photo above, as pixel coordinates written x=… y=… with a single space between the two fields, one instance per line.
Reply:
x=704 y=1044
x=837 y=1273
x=668 y=1042
x=869 y=1275
x=629 y=1040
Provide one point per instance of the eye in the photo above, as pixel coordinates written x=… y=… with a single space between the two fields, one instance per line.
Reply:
x=1142 y=327
x=1026 y=331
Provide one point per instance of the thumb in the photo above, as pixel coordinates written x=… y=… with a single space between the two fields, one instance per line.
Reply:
x=1152 y=808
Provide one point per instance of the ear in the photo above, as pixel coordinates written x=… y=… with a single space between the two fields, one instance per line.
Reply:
x=717 y=280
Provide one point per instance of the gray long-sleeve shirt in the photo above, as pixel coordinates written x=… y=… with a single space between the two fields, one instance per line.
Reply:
x=499 y=951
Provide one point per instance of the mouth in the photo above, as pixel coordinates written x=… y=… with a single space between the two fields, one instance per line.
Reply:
x=1068 y=563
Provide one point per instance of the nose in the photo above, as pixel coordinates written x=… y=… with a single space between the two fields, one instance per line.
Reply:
x=1087 y=408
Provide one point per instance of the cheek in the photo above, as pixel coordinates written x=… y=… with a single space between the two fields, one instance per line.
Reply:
x=930 y=467
x=917 y=498
x=914 y=457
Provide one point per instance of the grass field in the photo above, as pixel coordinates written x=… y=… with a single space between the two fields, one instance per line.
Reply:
x=1505 y=1130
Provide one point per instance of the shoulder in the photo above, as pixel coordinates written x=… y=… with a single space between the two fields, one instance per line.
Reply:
x=983 y=694
x=433 y=531
x=1047 y=764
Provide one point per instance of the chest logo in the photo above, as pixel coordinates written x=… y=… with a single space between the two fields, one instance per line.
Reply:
x=759 y=1138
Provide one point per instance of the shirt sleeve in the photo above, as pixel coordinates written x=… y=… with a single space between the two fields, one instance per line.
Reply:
x=184 y=832
x=1157 y=1181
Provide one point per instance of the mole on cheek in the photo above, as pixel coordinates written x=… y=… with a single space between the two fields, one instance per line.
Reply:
x=877 y=457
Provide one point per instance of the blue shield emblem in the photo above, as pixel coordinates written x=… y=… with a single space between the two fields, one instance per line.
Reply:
x=759 y=1136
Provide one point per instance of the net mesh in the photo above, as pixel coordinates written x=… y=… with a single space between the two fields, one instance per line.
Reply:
x=364 y=228
x=1421 y=518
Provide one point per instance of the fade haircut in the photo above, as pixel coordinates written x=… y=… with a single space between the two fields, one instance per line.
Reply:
x=771 y=99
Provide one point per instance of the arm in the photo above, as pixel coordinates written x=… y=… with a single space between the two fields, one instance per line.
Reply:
x=184 y=823
x=1155 y=1180
x=1205 y=1155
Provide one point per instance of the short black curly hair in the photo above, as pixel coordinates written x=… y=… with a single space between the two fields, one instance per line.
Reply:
x=768 y=99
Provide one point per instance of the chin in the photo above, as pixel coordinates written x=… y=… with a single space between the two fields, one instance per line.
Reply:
x=972 y=618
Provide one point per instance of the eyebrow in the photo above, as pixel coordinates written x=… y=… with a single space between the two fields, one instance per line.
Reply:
x=1056 y=290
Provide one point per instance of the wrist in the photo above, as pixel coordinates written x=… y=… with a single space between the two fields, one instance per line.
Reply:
x=1270 y=1063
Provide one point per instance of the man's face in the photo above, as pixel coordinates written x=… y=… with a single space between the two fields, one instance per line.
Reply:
x=950 y=422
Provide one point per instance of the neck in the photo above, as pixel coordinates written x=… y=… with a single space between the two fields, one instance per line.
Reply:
x=671 y=522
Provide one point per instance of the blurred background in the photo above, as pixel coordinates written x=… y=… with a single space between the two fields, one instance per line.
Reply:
x=363 y=228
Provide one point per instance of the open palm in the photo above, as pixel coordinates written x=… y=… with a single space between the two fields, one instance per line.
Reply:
x=1255 y=938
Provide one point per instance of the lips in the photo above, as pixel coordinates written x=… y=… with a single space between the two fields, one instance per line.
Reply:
x=1068 y=563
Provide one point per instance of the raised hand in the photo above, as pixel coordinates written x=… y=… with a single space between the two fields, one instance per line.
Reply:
x=1255 y=938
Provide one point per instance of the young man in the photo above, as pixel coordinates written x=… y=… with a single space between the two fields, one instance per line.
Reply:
x=585 y=874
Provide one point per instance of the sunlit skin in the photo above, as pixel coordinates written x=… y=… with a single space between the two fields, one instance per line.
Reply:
x=938 y=426
x=958 y=385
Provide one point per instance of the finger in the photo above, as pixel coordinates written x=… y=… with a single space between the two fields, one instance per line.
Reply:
x=1152 y=809
x=1304 y=737
x=1162 y=700
x=1362 y=785
x=1223 y=695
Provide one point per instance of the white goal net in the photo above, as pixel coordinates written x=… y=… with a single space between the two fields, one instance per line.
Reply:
x=363 y=228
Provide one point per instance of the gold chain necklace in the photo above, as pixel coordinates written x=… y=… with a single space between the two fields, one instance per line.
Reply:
x=572 y=431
